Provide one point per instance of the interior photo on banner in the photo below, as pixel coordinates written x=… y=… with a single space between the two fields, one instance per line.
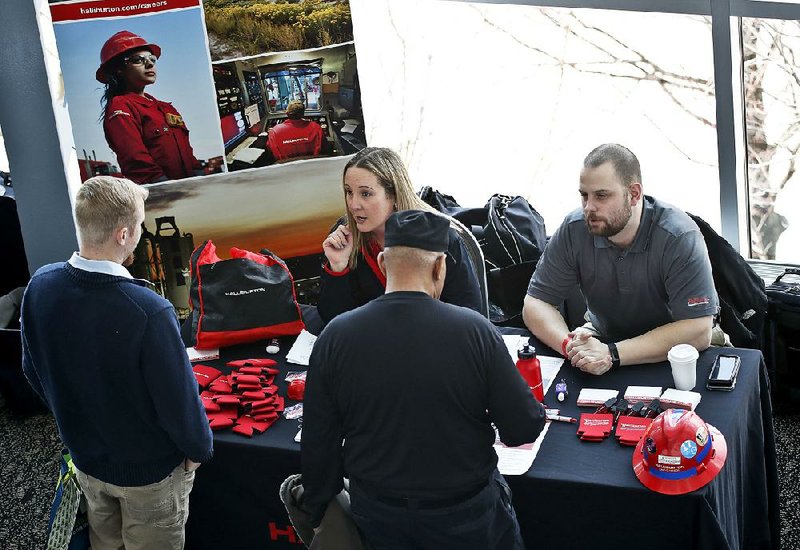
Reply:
x=285 y=79
x=292 y=105
x=269 y=96
x=137 y=79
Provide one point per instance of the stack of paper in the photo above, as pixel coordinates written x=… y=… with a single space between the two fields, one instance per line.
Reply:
x=642 y=393
x=672 y=398
x=592 y=397
x=301 y=350
x=515 y=461
x=202 y=354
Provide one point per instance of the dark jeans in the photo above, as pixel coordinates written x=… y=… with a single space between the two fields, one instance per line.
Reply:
x=483 y=522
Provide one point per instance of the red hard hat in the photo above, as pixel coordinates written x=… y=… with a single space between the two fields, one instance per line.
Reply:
x=679 y=453
x=122 y=42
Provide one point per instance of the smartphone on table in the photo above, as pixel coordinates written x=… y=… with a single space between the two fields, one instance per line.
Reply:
x=723 y=373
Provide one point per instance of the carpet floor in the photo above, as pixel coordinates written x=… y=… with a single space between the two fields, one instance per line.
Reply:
x=29 y=466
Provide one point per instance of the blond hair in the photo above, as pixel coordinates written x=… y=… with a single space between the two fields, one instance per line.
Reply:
x=103 y=205
x=388 y=167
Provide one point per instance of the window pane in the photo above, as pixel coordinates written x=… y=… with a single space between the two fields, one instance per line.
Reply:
x=510 y=98
x=770 y=55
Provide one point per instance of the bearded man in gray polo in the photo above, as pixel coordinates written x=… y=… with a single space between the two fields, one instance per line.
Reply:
x=641 y=264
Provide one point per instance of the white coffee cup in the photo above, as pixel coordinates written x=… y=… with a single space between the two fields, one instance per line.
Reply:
x=683 y=360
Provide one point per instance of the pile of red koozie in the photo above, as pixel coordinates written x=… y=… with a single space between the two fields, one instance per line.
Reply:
x=631 y=421
x=245 y=400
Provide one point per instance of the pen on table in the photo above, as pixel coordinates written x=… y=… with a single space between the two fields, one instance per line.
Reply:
x=559 y=418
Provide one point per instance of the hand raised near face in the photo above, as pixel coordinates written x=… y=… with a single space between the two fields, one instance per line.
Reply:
x=337 y=248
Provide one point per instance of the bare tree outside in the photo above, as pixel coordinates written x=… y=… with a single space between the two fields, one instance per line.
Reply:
x=772 y=107
x=771 y=99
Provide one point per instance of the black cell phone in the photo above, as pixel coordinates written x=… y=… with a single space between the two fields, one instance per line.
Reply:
x=723 y=373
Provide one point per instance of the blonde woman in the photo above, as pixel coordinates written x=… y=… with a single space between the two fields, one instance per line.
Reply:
x=376 y=184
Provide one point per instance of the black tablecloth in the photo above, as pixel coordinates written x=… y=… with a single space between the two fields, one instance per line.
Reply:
x=576 y=495
x=585 y=495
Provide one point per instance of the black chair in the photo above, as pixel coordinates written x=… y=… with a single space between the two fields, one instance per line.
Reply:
x=15 y=264
x=476 y=257
x=14 y=387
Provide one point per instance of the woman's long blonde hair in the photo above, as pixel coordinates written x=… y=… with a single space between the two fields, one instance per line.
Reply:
x=388 y=167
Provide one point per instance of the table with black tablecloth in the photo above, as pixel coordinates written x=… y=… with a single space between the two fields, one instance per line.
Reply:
x=576 y=495
x=234 y=503
x=585 y=495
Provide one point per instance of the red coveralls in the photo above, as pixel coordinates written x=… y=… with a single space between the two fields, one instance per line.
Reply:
x=295 y=138
x=150 y=139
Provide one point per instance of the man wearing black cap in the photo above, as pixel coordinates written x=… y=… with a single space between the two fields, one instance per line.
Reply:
x=296 y=136
x=400 y=398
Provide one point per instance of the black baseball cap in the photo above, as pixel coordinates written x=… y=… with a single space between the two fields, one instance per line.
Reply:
x=417 y=229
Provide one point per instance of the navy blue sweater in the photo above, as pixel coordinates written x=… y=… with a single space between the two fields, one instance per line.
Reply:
x=105 y=354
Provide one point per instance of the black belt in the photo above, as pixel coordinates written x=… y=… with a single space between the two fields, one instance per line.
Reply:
x=424 y=503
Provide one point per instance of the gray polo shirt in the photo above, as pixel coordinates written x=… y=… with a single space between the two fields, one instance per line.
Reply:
x=664 y=276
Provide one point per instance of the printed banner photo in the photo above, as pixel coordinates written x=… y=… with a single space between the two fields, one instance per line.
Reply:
x=286 y=80
x=289 y=106
x=289 y=213
x=139 y=88
x=238 y=116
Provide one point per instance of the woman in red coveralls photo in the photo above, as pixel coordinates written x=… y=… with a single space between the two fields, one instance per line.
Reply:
x=149 y=136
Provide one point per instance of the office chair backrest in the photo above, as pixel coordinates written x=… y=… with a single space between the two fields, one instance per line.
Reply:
x=476 y=256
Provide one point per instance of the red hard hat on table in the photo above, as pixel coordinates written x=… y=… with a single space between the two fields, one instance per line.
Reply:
x=122 y=42
x=679 y=453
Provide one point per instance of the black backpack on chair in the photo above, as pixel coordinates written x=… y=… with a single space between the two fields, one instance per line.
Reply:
x=439 y=201
x=742 y=295
x=512 y=237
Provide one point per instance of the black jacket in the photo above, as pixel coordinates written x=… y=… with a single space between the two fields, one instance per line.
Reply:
x=411 y=386
x=340 y=293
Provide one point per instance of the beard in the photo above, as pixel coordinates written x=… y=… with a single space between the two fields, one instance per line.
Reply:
x=614 y=224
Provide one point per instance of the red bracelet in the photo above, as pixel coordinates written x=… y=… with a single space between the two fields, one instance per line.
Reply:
x=564 y=346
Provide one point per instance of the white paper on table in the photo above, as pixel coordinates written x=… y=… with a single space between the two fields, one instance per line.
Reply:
x=550 y=365
x=349 y=128
x=514 y=461
x=550 y=368
x=202 y=354
x=680 y=398
x=301 y=349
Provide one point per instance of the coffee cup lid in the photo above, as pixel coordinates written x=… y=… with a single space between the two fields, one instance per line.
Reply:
x=683 y=352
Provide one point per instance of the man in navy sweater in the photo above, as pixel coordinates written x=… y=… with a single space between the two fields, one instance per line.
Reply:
x=104 y=353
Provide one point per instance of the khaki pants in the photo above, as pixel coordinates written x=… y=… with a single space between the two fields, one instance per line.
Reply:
x=150 y=517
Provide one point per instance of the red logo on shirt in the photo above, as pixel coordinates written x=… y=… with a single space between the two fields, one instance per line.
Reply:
x=699 y=301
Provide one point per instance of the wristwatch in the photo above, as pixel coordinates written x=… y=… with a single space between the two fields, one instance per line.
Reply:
x=612 y=349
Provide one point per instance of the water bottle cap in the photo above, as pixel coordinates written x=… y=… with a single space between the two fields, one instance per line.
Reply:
x=526 y=352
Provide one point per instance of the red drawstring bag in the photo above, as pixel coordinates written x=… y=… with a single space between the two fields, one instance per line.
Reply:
x=247 y=298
